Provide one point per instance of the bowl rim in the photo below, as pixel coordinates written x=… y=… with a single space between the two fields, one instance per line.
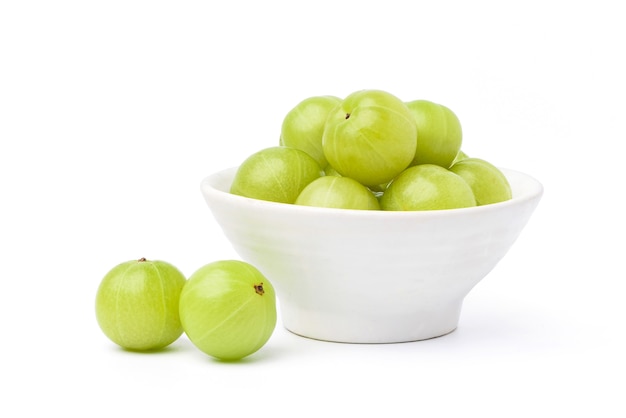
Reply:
x=533 y=189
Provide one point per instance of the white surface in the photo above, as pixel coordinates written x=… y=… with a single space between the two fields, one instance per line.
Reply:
x=376 y=276
x=112 y=112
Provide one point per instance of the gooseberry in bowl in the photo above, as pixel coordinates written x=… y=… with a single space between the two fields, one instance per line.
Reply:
x=371 y=276
x=487 y=182
x=427 y=187
x=370 y=137
x=338 y=192
x=303 y=126
x=439 y=133
x=276 y=174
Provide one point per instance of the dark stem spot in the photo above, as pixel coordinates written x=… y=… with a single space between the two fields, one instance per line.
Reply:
x=142 y=259
x=347 y=116
x=259 y=289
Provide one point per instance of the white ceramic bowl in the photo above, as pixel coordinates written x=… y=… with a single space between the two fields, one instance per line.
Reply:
x=370 y=276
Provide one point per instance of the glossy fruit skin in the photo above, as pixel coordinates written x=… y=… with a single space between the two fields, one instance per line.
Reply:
x=137 y=304
x=427 y=187
x=276 y=174
x=228 y=309
x=338 y=192
x=303 y=126
x=439 y=133
x=488 y=183
x=371 y=137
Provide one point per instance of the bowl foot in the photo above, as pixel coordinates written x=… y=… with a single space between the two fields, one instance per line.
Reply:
x=364 y=329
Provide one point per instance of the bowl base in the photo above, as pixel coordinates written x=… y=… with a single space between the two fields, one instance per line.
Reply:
x=353 y=328
x=371 y=342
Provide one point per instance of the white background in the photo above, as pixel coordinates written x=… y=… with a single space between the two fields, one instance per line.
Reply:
x=112 y=112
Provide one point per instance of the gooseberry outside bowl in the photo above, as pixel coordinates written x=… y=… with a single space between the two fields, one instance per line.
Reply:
x=370 y=276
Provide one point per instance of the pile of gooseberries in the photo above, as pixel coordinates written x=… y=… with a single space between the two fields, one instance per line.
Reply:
x=370 y=151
